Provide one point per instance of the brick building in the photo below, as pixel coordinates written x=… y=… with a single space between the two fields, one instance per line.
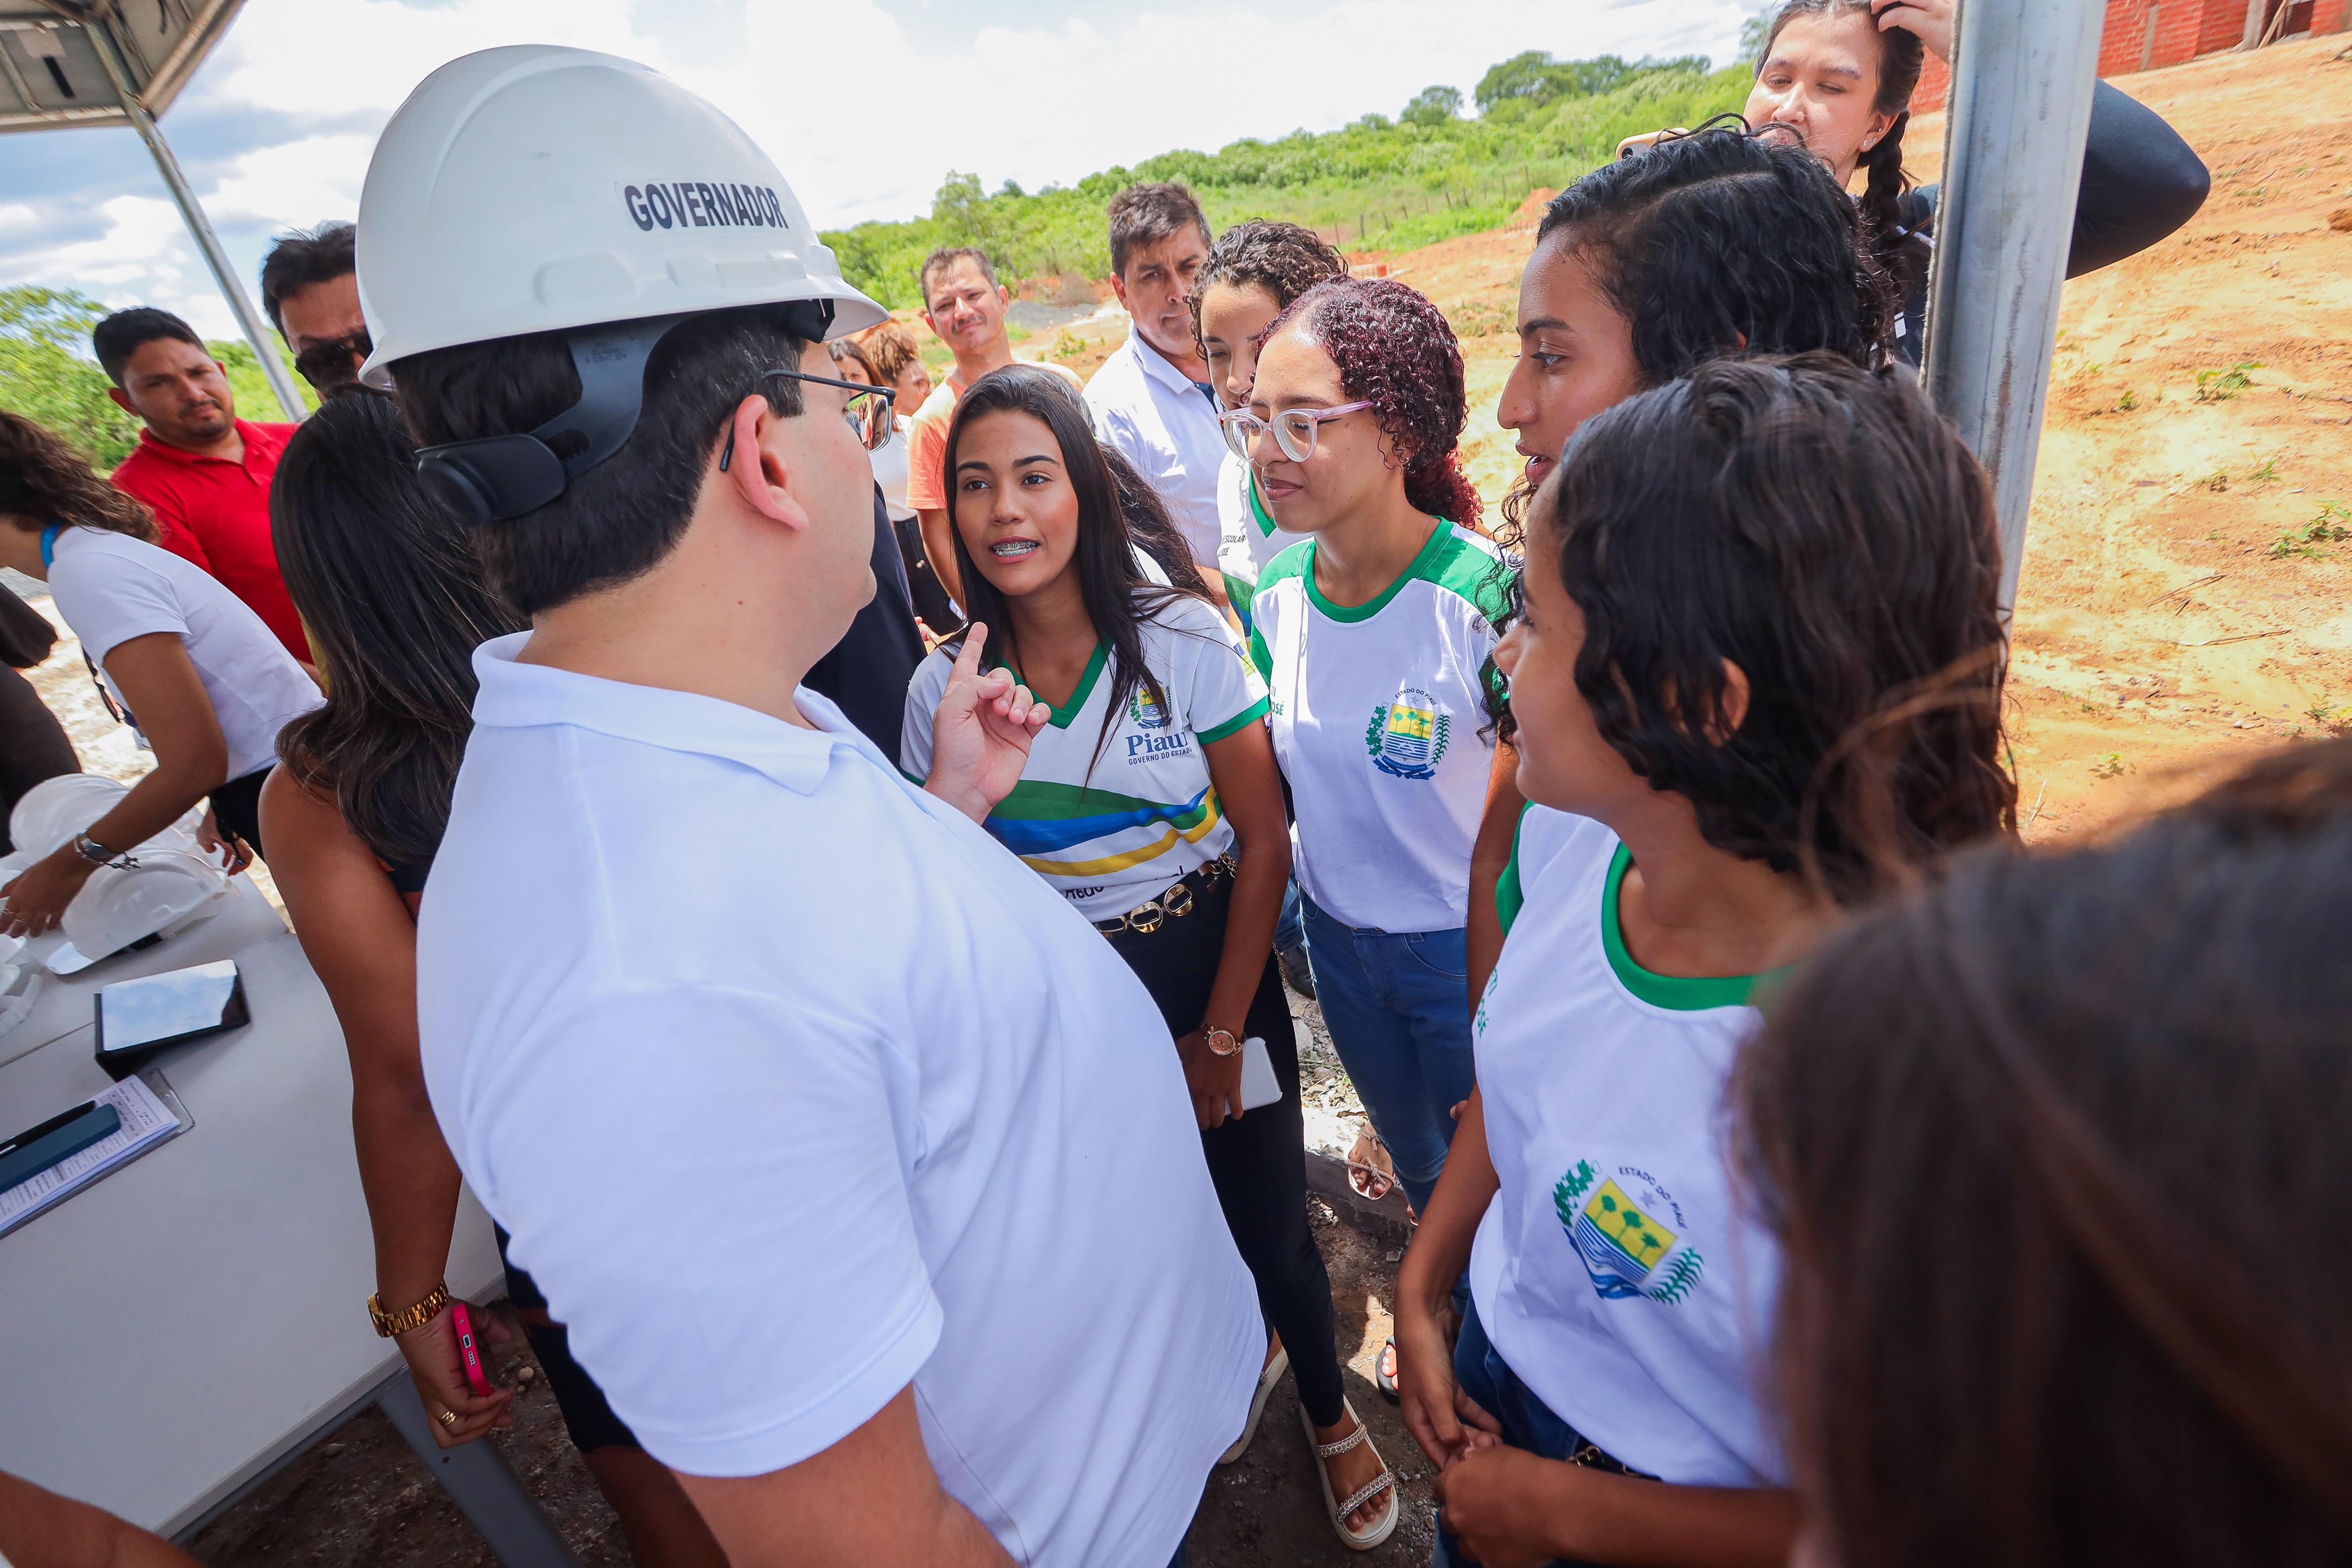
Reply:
x=2142 y=34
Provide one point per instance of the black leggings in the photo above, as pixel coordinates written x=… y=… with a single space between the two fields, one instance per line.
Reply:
x=1258 y=1163
x=236 y=807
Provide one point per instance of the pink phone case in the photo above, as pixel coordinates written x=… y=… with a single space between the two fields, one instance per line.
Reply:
x=468 y=1351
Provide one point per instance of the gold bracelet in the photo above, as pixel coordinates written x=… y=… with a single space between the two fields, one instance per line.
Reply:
x=415 y=1317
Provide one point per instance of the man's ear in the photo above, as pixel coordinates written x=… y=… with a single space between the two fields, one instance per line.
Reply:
x=1118 y=287
x=121 y=399
x=756 y=475
x=1731 y=708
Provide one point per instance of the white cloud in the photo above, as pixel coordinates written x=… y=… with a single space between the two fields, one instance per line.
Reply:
x=864 y=111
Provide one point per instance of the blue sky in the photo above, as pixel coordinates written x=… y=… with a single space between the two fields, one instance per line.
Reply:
x=864 y=104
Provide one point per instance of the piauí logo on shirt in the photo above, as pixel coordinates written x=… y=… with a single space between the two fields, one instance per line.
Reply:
x=1619 y=1227
x=1146 y=710
x=1407 y=736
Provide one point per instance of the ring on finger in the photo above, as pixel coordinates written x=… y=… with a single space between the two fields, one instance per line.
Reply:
x=447 y=1417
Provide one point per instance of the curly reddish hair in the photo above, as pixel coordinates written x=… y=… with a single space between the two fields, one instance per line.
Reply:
x=1395 y=350
x=44 y=480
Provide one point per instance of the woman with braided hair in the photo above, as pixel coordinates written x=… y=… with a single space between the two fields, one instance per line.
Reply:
x=1839 y=75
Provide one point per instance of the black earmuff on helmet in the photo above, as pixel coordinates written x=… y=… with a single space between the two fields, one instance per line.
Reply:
x=495 y=477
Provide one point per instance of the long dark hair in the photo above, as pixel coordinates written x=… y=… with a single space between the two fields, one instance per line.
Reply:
x=1150 y=524
x=1824 y=529
x=1396 y=350
x=1901 y=58
x=1118 y=598
x=395 y=604
x=2056 y=1152
x=45 y=481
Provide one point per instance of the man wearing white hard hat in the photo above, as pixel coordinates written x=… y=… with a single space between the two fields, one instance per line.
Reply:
x=860 y=1168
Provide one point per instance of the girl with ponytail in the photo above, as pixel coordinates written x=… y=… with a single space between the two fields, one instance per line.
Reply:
x=1837 y=75
x=1371 y=633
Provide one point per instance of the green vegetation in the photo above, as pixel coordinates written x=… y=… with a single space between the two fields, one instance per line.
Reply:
x=2331 y=525
x=2220 y=386
x=2110 y=765
x=47 y=374
x=1379 y=184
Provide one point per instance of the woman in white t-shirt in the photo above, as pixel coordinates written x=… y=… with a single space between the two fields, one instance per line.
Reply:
x=1152 y=803
x=1374 y=637
x=1254 y=271
x=1757 y=680
x=205 y=681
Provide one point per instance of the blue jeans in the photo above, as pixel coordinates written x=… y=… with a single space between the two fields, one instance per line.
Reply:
x=1527 y=1422
x=1289 y=934
x=1398 y=1005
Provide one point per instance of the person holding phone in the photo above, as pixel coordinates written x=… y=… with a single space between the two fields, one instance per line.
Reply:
x=397 y=606
x=209 y=683
x=1152 y=803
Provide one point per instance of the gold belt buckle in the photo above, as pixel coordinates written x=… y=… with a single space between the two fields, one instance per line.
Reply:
x=1177 y=900
x=1147 y=918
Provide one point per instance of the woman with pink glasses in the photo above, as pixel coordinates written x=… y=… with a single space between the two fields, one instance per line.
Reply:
x=1373 y=635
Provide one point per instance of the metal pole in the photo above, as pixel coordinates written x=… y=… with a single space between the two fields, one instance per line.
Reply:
x=2020 y=111
x=257 y=333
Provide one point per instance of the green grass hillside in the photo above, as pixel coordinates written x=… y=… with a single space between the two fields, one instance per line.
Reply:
x=1378 y=185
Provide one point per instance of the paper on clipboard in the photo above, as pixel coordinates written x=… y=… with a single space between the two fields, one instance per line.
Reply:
x=152 y=1114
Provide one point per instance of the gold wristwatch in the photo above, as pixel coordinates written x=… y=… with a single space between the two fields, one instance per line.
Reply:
x=415 y=1317
x=1221 y=1041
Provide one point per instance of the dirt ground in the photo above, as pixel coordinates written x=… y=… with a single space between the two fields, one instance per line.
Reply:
x=2184 y=601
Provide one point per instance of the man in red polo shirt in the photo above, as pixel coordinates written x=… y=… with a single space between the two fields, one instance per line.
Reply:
x=203 y=472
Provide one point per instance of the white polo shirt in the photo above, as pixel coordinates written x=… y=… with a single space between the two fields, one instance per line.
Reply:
x=794 y=1087
x=1165 y=422
x=1617 y=1270
x=112 y=588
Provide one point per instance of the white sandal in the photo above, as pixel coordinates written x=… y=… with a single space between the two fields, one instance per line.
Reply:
x=1339 y=1511
x=1266 y=1382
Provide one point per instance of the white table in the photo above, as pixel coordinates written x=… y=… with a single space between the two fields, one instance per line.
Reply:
x=175 y=1332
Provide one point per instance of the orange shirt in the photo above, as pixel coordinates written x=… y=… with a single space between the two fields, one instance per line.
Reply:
x=927 y=440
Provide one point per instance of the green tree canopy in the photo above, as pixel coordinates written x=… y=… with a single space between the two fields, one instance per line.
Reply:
x=1434 y=106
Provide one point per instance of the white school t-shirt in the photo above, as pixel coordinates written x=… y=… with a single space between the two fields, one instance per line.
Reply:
x=794 y=1087
x=1615 y=1270
x=1378 y=713
x=112 y=588
x=1112 y=819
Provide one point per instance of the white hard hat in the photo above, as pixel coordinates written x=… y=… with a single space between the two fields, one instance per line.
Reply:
x=57 y=808
x=533 y=188
x=125 y=904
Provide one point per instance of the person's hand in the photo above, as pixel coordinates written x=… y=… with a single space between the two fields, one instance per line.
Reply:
x=1647 y=139
x=37 y=898
x=1214 y=1081
x=981 y=735
x=1505 y=1505
x=431 y=1351
x=235 y=852
x=1447 y=1423
x=1929 y=20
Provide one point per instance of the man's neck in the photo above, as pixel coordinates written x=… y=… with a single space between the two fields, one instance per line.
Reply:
x=692 y=624
x=228 y=448
x=970 y=367
x=1188 y=364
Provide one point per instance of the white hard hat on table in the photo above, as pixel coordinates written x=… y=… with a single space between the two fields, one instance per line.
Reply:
x=533 y=188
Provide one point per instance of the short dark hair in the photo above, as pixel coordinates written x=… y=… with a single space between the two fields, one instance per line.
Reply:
x=947 y=255
x=303 y=257
x=1146 y=215
x=125 y=332
x=619 y=519
x=2084 y=1116
x=394 y=604
x=1823 y=529
x=1284 y=259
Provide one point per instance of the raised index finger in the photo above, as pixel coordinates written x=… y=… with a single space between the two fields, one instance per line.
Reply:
x=967 y=659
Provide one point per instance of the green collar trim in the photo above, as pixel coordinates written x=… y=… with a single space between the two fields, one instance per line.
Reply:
x=1421 y=565
x=1676 y=993
x=1077 y=705
x=1257 y=507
